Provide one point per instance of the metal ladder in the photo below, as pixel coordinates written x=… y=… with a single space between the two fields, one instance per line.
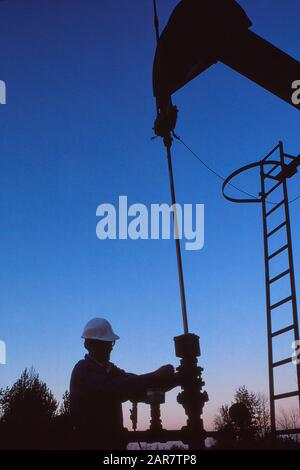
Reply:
x=276 y=178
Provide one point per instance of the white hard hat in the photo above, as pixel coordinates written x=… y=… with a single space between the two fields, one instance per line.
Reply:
x=100 y=329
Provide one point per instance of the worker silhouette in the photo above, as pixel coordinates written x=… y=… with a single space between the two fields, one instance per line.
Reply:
x=98 y=388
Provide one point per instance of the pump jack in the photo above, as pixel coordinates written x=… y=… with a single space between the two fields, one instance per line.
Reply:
x=197 y=36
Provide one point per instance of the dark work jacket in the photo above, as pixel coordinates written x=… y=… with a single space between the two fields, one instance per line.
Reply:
x=96 y=397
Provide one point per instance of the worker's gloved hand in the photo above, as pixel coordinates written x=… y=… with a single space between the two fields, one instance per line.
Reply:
x=166 y=378
x=165 y=372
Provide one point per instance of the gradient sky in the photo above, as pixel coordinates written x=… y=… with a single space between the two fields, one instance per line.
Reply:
x=75 y=133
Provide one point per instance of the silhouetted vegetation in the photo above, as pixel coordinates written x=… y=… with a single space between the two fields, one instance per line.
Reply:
x=245 y=424
x=31 y=418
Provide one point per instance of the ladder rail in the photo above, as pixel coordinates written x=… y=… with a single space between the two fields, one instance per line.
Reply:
x=268 y=302
x=291 y=262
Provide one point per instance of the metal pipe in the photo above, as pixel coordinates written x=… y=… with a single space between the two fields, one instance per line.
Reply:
x=168 y=143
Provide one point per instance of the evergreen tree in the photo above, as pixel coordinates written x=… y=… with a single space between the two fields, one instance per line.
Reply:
x=26 y=410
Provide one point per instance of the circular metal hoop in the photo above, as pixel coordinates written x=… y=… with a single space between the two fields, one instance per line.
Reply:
x=238 y=172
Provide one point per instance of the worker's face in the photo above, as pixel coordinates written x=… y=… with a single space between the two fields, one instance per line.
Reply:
x=103 y=349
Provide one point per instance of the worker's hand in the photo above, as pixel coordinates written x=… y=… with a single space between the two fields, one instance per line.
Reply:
x=170 y=383
x=165 y=372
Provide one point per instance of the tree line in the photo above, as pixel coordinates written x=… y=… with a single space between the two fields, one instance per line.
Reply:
x=31 y=418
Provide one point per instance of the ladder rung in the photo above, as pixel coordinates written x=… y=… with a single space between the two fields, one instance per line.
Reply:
x=286 y=395
x=278 y=251
x=276 y=278
x=283 y=330
x=287 y=431
x=283 y=362
x=271 y=177
x=274 y=208
x=272 y=169
x=284 y=301
x=276 y=229
x=270 y=153
x=273 y=189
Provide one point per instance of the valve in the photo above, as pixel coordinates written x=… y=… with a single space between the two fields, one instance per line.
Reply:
x=155 y=397
x=192 y=398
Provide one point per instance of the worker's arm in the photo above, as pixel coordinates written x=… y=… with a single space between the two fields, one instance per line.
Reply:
x=89 y=385
x=133 y=387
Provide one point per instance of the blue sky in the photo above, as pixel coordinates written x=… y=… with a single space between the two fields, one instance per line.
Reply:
x=75 y=133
